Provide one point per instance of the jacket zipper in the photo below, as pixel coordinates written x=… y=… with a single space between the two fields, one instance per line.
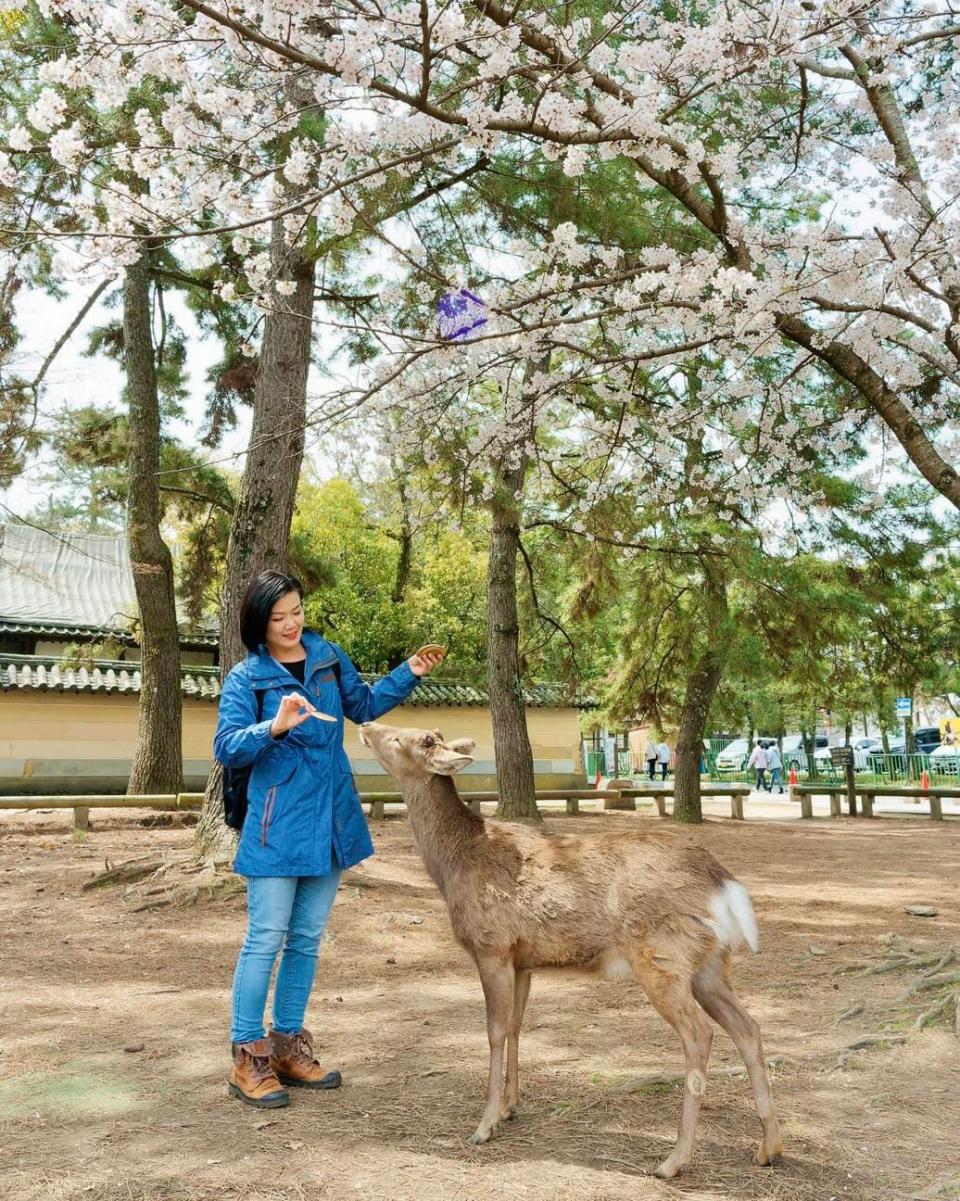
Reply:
x=268 y=807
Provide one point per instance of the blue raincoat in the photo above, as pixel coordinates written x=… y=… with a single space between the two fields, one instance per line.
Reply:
x=303 y=816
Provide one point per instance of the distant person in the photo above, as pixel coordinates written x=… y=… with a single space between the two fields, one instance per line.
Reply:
x=663 y=758
x=775 y=767
x=652 y=755
x=758 y=763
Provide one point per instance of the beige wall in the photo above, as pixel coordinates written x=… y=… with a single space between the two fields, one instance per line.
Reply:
x=62 y=741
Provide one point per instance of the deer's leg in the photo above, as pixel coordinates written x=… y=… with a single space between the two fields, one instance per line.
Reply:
x=498 y=979
x=712 y=988
x=671 y=995
x=511 y=1090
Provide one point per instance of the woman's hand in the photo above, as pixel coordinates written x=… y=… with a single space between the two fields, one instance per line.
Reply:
x=426 y=659
x=294 y=711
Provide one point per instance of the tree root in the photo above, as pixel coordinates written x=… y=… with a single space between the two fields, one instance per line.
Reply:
x=944 y=961
x=124 y=873
x=181 y=895
x=868 y=1042
x=876 y=1040
x=950 y=1001
x=937 y=981
x=180 y=880
x=899 y=960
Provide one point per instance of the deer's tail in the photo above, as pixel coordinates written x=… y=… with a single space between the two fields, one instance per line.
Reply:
x=732 y=918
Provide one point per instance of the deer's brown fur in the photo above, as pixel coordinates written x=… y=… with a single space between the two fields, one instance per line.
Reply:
x=654 y=906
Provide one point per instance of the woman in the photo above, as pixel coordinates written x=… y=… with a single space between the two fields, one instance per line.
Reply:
x=663 y=758
x=774 y=767
x=281 y=713
x=652 y=755
x=758 y=763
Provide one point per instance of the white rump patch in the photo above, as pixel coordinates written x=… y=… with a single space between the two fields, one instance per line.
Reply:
x=733 y=919
x=617 y=967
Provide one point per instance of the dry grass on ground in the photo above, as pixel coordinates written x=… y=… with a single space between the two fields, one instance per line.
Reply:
x=398 y=1007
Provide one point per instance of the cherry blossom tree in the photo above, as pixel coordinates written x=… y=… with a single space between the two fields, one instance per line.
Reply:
x=807 y=147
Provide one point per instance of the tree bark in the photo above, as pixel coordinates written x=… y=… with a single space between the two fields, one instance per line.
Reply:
x=920 y=448
x=405 y=538
x=158 y=758
x=261 y=524
x=398 y=652
x=909 y=746
x=809 y=746
x=511 y=741
x=701 y=688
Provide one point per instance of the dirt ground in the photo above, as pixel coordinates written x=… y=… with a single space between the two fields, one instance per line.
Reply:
x=114 y=1043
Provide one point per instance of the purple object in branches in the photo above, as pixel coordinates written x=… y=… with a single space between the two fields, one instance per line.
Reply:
x=460 y=313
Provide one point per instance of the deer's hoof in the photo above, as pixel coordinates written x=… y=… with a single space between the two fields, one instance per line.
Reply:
x=508 y=1113
x=668 y=1170
x=766 y=1156
x=478 y=1138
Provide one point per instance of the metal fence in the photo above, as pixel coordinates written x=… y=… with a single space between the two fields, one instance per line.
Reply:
x=878 y=769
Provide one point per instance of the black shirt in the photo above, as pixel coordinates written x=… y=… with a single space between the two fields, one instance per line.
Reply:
x=296 y=669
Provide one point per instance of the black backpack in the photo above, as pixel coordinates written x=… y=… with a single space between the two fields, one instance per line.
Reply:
x=236 y=780
x=235 y=783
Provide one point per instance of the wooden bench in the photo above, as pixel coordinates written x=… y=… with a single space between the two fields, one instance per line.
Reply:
x=867 y=794
x=570 y=796
x=81 y=805
x=736 y=793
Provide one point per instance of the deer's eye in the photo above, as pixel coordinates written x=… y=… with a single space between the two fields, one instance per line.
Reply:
x=428 y=740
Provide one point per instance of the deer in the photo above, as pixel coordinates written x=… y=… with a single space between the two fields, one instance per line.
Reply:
x=655 y=907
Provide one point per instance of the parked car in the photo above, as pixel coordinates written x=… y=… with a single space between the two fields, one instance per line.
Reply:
x=863 y=748
x=898 y=751
x=926 y=739
x=794 y=754
x=945 y=760
x=734 y=755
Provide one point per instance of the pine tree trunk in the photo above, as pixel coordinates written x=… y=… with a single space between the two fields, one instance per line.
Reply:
x=158 y=758
x=398 y=652
x=261 y=524
x=701 y=688
x=809 y=746
x=511 y=741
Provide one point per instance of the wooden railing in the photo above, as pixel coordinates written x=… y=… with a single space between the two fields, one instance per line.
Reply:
x=867 y=794
x=612 y=798
x=185 y=801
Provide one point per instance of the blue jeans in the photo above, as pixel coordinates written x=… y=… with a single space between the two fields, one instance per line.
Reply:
x=775 y=778
x=282 y=911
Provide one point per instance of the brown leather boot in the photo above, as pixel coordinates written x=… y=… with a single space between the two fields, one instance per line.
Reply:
x=294 y=1064
x=253 y=1079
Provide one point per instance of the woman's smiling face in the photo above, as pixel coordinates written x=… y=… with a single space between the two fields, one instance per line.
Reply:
x=285 y=626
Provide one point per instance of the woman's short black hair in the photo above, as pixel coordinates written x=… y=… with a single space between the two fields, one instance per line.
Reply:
x=261 y=595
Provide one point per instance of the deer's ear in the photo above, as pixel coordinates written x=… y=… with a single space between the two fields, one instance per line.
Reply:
x=463 y=746
x=448 y=763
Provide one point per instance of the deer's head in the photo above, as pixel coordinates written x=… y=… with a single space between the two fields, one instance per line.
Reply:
x=414 y=754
